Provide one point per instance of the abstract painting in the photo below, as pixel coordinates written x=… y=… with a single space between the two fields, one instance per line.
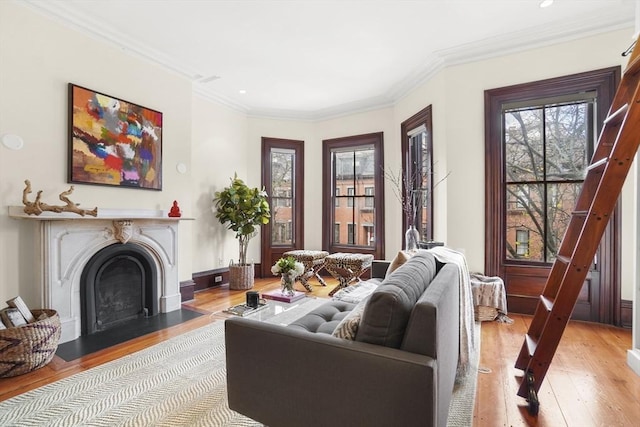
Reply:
x=113 y=142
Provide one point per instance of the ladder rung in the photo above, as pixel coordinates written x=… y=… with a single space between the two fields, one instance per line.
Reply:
x=633 y=67
x=617 y=116
x=603 y=161
x=548 y=304
x=580 y=213
x=563 y=259
x=531 y=344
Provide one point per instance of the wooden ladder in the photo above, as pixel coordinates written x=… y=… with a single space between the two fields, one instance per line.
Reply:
x=614 y=154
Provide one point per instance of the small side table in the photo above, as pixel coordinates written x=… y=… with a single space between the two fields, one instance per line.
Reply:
x=313 y=261
x=346 y=267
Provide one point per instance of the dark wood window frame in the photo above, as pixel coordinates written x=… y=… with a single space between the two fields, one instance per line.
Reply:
x=328 y=203
x=298 y=231
x=421 y=118
x=604 y=82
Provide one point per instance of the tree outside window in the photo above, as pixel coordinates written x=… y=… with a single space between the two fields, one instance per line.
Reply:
x=547 y=150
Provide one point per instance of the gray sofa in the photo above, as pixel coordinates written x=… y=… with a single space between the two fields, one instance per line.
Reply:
x=398 y=371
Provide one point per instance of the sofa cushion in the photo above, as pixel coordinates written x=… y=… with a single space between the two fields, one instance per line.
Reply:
x=348 y=327
x=325 y=318
x=389 y=307
x=435 y=316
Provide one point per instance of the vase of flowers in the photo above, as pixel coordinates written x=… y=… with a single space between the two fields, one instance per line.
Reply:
x=288 y=269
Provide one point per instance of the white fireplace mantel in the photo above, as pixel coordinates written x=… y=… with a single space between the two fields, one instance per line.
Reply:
x=112 y=214
x=68 y=241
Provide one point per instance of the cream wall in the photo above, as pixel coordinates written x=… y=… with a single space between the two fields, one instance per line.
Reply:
x=38 y=58
x=218 y=150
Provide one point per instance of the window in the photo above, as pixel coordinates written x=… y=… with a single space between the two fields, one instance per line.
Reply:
x=368 y=233
x=548 y=144
x=283 y=180
x=525 y=158
x=368 y=201
x=281 y=185
x=352 y=170
x=417 y=166
x=350 y=194
x=522 y=243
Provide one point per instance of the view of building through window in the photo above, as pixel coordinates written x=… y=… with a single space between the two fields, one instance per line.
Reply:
x=548 y=147
x=282 y=161
x=353 y=174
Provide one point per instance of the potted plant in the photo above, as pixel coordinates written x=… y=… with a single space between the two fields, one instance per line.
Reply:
x=244 y=209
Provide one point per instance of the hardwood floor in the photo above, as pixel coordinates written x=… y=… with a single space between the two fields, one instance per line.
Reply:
x=588 y=384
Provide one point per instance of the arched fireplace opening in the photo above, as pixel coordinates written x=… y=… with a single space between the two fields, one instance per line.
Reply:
x=118 y=284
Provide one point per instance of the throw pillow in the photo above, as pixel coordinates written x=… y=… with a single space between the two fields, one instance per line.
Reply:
x=401 y=258
x=348 y=327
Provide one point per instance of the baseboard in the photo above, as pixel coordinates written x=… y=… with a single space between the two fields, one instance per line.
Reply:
x=210 y=279
x=626 y=313
x=187 y=289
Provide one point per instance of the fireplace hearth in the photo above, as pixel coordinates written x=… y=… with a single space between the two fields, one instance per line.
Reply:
x=117 y=285
x=138 y=275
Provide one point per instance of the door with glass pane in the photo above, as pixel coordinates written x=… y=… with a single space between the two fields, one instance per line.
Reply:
x=282 y=177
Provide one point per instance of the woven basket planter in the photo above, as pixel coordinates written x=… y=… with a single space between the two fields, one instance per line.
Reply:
x=241 y=277
x=485 y=314
x=29 y=347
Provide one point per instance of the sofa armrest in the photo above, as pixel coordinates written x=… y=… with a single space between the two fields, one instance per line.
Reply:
x=379 y=268
x=286 y=377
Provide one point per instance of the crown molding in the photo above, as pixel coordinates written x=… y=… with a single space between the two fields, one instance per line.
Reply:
x=351 y=108
x=212 y=96
x=541 y=36
x=63 y=14
x=537 y=37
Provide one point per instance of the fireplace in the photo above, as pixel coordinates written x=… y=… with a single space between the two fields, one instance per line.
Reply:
x=125 y=245
x=117 y=284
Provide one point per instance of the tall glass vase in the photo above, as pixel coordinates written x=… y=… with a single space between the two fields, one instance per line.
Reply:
x=286 y=283
x=411 y=239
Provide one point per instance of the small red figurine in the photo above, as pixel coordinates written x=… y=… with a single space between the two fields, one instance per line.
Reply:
x=175 y=210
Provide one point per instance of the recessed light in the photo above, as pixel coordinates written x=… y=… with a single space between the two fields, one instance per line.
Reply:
x=546 y=3
x=242 y=91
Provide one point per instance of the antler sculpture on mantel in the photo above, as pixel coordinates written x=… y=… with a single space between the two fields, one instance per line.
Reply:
x=37 y=207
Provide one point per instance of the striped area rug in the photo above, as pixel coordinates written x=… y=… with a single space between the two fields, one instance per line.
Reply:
x=464 y=391
x=180 y=382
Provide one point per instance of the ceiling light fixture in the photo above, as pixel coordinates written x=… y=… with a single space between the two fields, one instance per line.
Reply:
x=242 y=91
x=546 y=3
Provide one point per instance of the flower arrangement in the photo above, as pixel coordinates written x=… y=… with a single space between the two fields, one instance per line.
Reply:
x=288 y=268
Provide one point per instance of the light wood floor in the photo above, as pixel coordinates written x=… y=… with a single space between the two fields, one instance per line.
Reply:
x=588 y=384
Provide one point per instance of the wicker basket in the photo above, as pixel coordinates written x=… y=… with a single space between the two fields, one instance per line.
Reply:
x=485 y=314
x=241 y=277
x=30 y=346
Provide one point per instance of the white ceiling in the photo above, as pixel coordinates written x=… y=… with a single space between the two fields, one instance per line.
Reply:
x=313 y=59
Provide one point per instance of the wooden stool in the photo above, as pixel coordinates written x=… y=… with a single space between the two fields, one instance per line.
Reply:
x=346 y=267
x=313 y=261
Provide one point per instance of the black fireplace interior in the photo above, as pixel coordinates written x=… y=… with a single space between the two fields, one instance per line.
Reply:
x=117 y=285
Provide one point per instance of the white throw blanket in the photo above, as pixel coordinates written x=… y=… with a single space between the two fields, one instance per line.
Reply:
x=467 y=337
